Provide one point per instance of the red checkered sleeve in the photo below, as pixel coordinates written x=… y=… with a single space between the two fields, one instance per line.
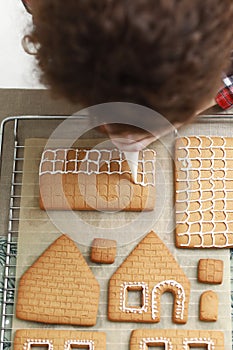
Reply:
x=27 y=5
x=224 y=98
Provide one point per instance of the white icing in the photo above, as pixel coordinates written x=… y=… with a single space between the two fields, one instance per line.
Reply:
x=196 y=227
x=68 y=344
x=123 y=297
x=158 y=340
x=28 y=345
x=179 y=298
x=132 y=159
x=92 y=162
x=201 y=341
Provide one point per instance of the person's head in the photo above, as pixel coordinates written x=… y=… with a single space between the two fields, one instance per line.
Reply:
x=168 y=55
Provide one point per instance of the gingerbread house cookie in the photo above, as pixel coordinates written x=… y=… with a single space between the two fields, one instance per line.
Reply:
x=204 y=192
x=76 y=179
x=57 y=339
x=168 y=339
x=135 y=289
x=59 y=287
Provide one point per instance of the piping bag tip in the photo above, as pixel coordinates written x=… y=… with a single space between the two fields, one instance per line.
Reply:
x=132 y=159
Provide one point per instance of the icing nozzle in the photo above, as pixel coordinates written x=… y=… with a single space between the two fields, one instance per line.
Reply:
x=132 y=159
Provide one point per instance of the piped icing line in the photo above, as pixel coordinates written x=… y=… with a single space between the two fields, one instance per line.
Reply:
x=93 y=159
x=179 y=298
x=157 y=340
x=127 y=286
x=31 y=342
x=82 y=343
x=198 y=341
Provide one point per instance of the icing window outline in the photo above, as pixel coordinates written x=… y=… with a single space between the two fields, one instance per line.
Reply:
x=93 y=160
x=201 y=341
x=179 y=298
x=153 y=341
x=127 y=286
x=86 y=344
x=30 y=342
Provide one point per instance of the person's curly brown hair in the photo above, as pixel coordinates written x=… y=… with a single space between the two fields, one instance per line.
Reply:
x=164 y=54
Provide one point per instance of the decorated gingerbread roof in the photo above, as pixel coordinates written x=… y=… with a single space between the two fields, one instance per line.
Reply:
x=77 y=179
x=204 y=194
x=151 y=270
x=59 y=287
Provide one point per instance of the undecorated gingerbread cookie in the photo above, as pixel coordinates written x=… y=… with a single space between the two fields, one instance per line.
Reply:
x=210 y=271
x=59 y=287
x=208 y=309
x=103 y=250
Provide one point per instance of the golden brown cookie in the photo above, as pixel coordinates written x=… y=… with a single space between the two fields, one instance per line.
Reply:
x=52 y=339
x=76 y=179
x=208 y=308
x=204 y=192
x=103 y=250
x=210 y=271
x=177 y=339
x=59 y=287
x=135 y=289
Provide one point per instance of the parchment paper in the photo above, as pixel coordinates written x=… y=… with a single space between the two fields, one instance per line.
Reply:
x=37 y=232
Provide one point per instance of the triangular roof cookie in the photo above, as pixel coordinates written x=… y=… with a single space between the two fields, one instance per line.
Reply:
x=149 y=270
x=59 y=287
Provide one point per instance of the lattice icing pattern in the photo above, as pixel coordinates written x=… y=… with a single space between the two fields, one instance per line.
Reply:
x=204 y=192
x=93 y=161
x=78 y=179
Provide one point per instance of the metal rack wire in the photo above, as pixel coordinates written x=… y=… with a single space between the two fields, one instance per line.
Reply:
x=13 y=225
x=9 y=279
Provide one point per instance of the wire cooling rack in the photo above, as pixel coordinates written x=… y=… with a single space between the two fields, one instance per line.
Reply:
x=13 y=132
x=11 y=158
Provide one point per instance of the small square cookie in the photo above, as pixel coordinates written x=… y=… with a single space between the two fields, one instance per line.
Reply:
x=103 y=250
x=210 y=271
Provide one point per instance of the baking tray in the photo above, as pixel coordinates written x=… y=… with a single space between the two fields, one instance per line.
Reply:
x=13 y=133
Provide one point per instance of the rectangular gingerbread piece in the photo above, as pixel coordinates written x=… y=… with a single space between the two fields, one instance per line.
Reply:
x=177 y=339
x=204 y=192
x=78 y=179
x=57 y=339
